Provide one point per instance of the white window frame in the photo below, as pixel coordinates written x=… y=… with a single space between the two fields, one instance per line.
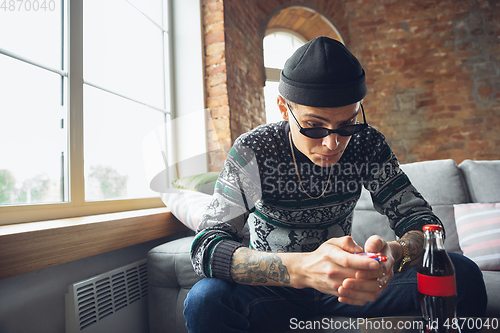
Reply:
x=77 y=206
x=273 y=74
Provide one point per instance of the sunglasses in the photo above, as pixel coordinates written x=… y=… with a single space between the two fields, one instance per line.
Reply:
x=321 y=132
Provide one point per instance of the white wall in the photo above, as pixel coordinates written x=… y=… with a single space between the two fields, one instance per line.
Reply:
x=34 y=302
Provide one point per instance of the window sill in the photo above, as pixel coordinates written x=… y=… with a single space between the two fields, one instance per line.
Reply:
x=31 y=246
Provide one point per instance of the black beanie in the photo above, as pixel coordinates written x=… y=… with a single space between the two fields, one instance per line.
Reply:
x=323 y=73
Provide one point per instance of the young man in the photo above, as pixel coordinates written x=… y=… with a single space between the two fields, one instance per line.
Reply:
x=295 y=184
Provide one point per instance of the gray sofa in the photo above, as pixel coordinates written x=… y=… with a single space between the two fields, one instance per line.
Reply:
x=443 y=183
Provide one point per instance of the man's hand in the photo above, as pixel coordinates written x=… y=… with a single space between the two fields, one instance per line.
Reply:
x=366 y=286
x=333 y=262
x=333 y=268
x=324 y=269
x=357 y=290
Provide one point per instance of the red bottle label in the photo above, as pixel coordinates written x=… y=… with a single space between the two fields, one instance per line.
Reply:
x=437 y=285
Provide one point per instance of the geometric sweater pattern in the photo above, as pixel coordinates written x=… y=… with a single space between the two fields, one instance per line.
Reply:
x=258 y=190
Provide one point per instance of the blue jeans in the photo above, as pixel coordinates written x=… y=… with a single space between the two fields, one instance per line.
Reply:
x=214 y=305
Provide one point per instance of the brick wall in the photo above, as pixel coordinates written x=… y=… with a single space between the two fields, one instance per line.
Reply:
x=215 y=81
x=433 y=71
x=433 y=75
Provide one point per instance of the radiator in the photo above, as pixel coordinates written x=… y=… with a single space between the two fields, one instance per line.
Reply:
x=115 y=301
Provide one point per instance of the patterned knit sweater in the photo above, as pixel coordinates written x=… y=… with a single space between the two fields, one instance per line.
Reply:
x=258 y=186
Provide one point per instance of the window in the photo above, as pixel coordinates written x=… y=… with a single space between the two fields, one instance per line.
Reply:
x=278 y=47
x=82 y=84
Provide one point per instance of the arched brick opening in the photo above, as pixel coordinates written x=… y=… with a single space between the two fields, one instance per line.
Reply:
x=303 y=21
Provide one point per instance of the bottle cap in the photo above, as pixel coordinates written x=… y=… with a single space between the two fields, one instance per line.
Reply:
x=432 y=227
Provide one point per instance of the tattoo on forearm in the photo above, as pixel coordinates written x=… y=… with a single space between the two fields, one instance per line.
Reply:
x=415 y=241
x=258 y=267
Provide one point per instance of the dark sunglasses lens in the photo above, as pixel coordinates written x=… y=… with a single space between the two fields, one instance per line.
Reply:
x=347 y=130
x=318 y=133
x=315 y=133
x=350 y=129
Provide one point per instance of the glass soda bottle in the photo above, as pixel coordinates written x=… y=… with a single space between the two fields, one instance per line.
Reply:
x=437 y=290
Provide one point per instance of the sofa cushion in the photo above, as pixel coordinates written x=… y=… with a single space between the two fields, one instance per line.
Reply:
x=170 y=276
x=379 y=224
x=483 y=180
x=491 y=280
x=478 y=228
x=441 y=184
x=169 y=265
x=367 y=222
x=204 y=183
x=446 y=214
x=187 y=206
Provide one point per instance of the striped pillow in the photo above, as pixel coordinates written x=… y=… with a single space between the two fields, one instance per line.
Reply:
x=478 y=228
